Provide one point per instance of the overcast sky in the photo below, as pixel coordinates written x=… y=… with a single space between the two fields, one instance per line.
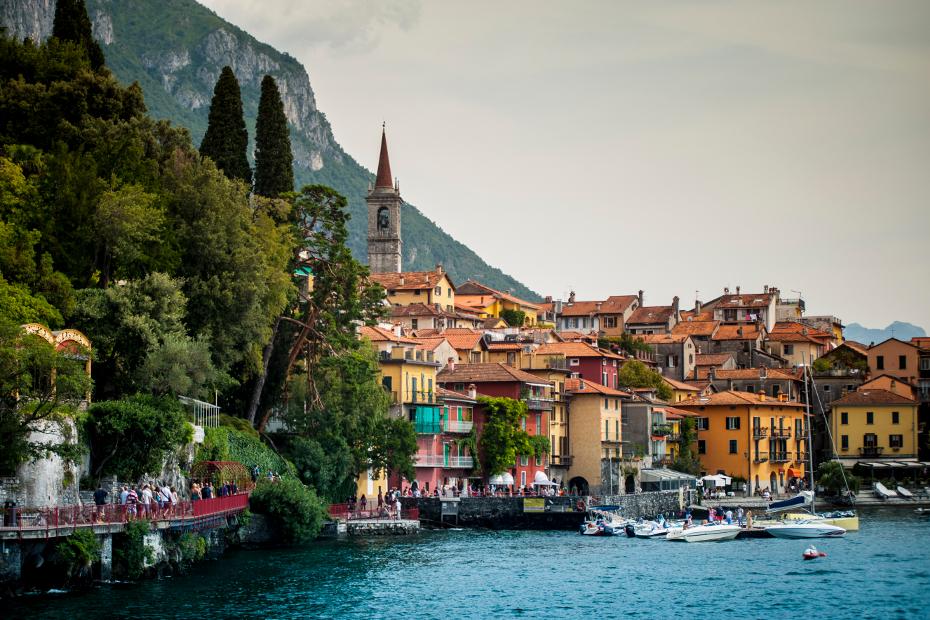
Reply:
x=674 y=147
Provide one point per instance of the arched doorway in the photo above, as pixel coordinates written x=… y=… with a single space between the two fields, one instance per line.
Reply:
x=629 y=485
x=757 y=488
x=773 y=483
x=578 y=485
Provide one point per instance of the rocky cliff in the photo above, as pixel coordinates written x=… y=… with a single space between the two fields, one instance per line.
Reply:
x=175 y=49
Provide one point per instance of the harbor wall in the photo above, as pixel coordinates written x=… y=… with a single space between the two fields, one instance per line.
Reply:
x=535 y=513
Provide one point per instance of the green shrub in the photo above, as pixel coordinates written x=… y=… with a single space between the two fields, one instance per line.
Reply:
x=250 y=451
x=79 y=551
x=215 y=446
x=294 y=510
x=238 y=424
x=193 y=547
x=130 y=557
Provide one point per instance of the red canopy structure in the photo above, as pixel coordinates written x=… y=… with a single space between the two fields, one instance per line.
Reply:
x=218 y=472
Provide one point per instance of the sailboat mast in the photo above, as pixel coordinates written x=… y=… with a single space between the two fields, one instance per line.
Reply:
x=807 y=423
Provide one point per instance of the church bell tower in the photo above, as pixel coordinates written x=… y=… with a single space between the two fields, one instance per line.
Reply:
x=384 y=240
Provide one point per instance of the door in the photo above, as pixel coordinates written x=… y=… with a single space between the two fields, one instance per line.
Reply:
x=445 y=455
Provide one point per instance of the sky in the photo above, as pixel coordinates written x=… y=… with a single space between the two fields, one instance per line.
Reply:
x=676 y=147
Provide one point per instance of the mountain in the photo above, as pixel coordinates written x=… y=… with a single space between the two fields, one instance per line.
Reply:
x=865 y=335
x=175 y=49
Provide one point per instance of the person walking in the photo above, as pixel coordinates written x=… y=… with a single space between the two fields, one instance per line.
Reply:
x=739 y=516
x=397 y=506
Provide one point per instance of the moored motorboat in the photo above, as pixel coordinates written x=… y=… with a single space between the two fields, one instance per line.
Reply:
x=650 y=529
x=703 y=533
x=845 y=519
x=804 y=529
x=603 y=521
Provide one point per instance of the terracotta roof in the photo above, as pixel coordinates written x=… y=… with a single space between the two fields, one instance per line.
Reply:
x=662 y=338
x=487 y=373
x=751 y=331
x=858 y=347
x=696 y=328
x=384 y=178
x=583 y=386
x=904 y=342
x=712 y=359
x=748 y=300
x=732 y=397
x=800 y=328
x=412 y=280
x=471 y=287
x=651 y=315
x=462 y=338
x=872 y=397
x=574 y=349
x=615 y=304
x=425 y=333
x=681 y=413
x=429 y=344
x=678 y=385
x=504 y=346
x=921 y=342
x=576 y=335
x=865 y=385
x=445 y=394
x=792 y=337
x=704 y=315
x=779 y=374
x=492 y=322
x=379 y=334
x=417 y=310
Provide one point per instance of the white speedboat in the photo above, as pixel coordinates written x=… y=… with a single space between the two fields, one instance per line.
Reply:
x=650 y=529
x=704 y=533
x=805 y=529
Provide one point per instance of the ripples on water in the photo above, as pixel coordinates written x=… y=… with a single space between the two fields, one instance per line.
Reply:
x=882 y=572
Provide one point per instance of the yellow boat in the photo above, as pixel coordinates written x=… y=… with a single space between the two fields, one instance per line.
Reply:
x=847 y=520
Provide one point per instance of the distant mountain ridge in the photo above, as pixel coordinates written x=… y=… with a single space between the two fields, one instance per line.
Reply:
x=175 y=49
x=898 y=329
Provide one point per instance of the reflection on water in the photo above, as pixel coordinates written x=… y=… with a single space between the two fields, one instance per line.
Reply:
x=882 y=571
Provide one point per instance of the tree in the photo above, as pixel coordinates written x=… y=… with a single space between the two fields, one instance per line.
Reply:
x=274 y=172
x=393 y=446
x=226 y=140
x=514 y=318
x=40 y=388
x=835 y=481
x=502 y=439
x=127 y=222
x=686 y=461
x=72 y=24
x=635 y=374
x=132 y=437
x=294 y=510
x=180 y=366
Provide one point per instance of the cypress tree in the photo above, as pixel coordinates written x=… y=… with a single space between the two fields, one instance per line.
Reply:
x=226 y=140
x=274 y=173
x=72 y=24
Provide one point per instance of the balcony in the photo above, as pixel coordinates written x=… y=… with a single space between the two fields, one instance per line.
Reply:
x=781 y=433
x=673 y=437
x=781 y=457
x=665 y=461
x=661 y=430
x=761 y=457
x=438 y=460
x=871 y=451
x=607 y=439
x=802 y=458
x=759 y=432
x=422 y=396
x=538 y=404
x=457 y=426
x=562 y=460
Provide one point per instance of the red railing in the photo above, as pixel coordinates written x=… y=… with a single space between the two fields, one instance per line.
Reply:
x=341 y=512
x=54 y=518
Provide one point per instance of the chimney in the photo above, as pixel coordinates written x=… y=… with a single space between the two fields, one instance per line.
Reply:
x=597 y=306
x=762 y=397
x=675 y=304
x=737 y=289
x=472 y=391
x=698 y=306
x=571 y=297
x=726 y=290
x=640 y=298
x=712 y=373
x=763 y=373
x=450 y=363
x=439 y=268
x=548 y=299
x=765 y=289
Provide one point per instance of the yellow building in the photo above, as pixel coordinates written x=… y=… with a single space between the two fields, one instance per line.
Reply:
x=418 y=287
x=873 y=425
x=595 y=436
x=557 y=375
x=489 y=302
x=751 y=436
x=682 y=391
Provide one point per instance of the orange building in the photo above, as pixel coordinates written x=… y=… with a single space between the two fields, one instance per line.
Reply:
x=751 y=436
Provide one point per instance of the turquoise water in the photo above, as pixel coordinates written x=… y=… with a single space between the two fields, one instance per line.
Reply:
x=883 y=571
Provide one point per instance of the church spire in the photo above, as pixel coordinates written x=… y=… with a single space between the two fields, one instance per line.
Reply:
x=384 y=178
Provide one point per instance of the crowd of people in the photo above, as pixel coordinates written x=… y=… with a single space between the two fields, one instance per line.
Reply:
x=147 y=500
x=208 y=491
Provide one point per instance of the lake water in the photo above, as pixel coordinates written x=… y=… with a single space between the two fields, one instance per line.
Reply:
x=882 y=571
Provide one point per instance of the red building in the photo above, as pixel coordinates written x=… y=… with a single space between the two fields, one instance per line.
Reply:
x=586 y=361
x=501 y=380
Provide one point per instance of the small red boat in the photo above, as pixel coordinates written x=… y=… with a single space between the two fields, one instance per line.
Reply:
x=812 y=553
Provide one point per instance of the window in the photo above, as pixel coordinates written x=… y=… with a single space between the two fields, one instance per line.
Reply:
x=524 y=461
x=775 y=390
x=511 y=358
x=869 y=417
x=449 y=292
x=844 y=442
x=789 y=349
x=416 y=292
x=616 y=404
x=573 y=361
x=895 y=417
x=870 y=440
x=733 y=423
x=606 y=404
x=826 y=389
x=844 y=417
x=604 y=378
x=610 y=321
x=539 y=424
x=617 y=430
x=606 y=430
x=896 y=441
x=584 y=322
x=750 y=388
x=522 y=478
x=733 y=447
x=902 y=362
x=925 y=363
x=880 y=362
x=438 y=291
x=702 y=446
x=703 y=424
x=414 y=323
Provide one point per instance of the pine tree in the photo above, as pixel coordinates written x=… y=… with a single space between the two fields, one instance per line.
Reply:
x=226 y=140
x=72 y=24
x=274 y=174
